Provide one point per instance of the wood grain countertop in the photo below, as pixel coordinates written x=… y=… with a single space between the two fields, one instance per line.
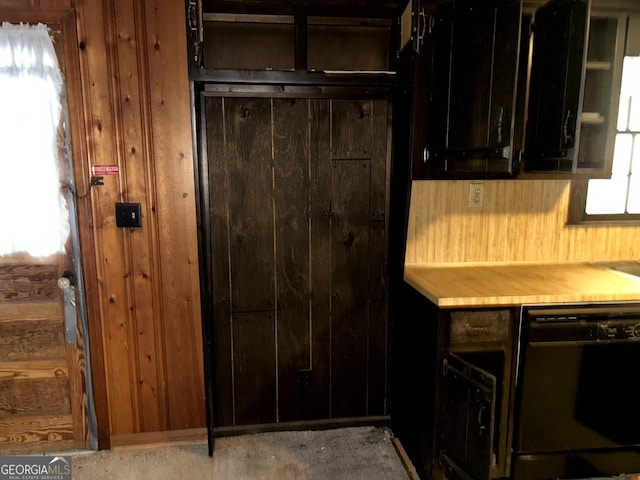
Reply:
x=516 y=284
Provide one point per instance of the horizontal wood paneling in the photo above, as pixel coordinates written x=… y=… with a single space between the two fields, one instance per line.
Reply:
x=21 y=282
x=32 y=340
x=45 y=432
x=37 y=4
x=520 y=221
x=33 y=397
x=30 y=311
x=33 y=369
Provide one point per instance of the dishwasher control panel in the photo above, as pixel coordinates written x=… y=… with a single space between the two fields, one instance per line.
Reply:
x=584 y=323
x=619 y=330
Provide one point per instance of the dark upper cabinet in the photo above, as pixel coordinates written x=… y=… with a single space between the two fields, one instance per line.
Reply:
x=560 y=30
x=603 y=75
x=473 y=86
x=473 y=50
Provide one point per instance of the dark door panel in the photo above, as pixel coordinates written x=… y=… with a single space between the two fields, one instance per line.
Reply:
x=297 y=211
x=560 y=35
x=469 y=398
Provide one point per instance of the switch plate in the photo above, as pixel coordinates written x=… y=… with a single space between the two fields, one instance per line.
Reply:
x=476 y=195
x=128 y=215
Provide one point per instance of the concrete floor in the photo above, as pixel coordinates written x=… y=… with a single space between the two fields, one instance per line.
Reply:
x=359 y=453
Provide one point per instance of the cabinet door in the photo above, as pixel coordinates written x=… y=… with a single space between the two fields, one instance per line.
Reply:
x=468 y=419
x=560 y=31
x=603 y=76
x=473 y=79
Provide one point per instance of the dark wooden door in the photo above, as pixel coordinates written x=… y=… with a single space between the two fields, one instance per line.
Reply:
x=470 y=106
x=560 y=35
x=468 y=417
x=297 y=209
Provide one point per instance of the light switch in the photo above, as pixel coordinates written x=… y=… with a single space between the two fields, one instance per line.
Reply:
x=128 y=215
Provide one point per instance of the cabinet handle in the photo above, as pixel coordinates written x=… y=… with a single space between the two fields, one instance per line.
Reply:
x=481 y=426
x=499 y=125
x=565 y=129
x=422 y=28
x=194 y=20
x=425 y=155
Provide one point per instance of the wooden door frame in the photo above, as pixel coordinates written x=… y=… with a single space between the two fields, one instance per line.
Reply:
x=65 y=19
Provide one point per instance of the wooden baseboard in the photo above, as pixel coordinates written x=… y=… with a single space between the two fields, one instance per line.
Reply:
x=378 y=421
x=173 y=437
x=404 y=458
x=157 y=439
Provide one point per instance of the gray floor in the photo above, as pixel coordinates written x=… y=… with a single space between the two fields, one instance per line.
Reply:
x=359 y=453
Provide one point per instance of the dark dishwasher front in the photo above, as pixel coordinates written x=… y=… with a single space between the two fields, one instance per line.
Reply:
x=578 y=392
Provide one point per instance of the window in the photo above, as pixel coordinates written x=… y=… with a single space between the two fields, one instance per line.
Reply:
x=33 y=213
x=619 y=197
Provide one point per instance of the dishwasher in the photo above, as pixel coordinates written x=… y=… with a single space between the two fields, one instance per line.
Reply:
x=577 y=409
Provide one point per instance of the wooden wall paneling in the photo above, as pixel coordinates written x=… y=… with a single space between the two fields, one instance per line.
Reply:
x=98 y=62
x=442 y=229
x=257 y=46
x=174 y=207
x=248 y=136
x=31 y=369
x=28 y=283
x=45 y=433
x=78 y=390
x=633 y=36
x=60 y=16
x=221 y=322
x=361 y=48
x=73 y=45
x=377 y=355
x=351 y=129
x=129 y=105
x=34 y=397
x=141 y=249
x=291 y=179
x=380 y=155
x=252 y=254
x=254 y=356
x=320 y=281
x=349 y=290
x=36 y=6
x=32 y=339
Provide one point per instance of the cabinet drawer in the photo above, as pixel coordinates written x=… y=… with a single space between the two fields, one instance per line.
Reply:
x=473 y=326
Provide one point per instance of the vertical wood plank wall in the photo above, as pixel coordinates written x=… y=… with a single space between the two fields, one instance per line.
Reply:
x=521 y=221
x=137 y=115
x=136 y=110
x=297 y=209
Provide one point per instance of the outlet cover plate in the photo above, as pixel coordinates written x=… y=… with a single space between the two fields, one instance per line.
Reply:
x=476 y=195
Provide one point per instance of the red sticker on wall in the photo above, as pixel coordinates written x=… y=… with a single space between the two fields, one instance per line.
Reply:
x=100 y=170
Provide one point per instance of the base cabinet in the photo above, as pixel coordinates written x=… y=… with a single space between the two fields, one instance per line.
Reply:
x=468 y=418
x=455 y=422
x=475 y=371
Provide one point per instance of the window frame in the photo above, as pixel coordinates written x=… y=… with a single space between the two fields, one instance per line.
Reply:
x=577 y=214
x=577 y=205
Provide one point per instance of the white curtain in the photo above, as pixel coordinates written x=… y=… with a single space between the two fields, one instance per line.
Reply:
x=33 y=213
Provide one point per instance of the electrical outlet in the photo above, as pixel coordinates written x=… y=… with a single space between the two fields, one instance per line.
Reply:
x=476 y=195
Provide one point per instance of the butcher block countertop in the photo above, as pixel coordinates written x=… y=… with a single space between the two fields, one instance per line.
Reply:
x=488 y=285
